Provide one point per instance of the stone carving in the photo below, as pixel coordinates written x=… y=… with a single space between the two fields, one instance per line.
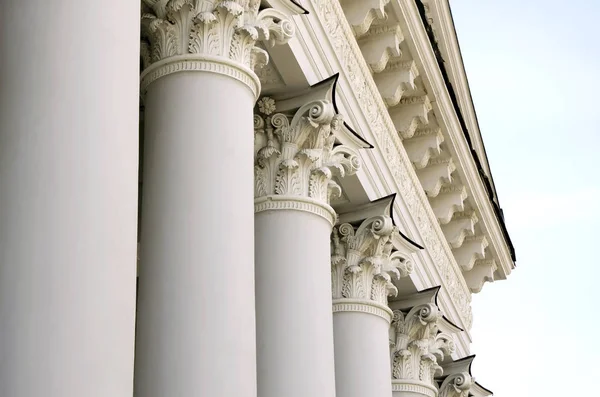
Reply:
x=361 y=14
x=363 y=261
x=416 y=342
x=349 y=55
x=456 y=385
x=296 y=152
x=222 y=28
x=458 y=380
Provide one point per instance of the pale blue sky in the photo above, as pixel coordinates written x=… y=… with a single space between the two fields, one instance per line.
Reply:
x=533 y=71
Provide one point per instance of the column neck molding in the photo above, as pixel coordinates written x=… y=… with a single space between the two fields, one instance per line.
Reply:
x=295 y=203
x=414 y=387
x=362 y=306
x=200 y=63
x=218 y=36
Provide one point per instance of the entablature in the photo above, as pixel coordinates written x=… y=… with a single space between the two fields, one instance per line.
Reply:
x=394 y=100
x=445 y=164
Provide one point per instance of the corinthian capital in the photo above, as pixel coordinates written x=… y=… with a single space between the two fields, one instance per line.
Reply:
x=417 y=344
x=227 y=30
x=301 y=144
x=368 y=252
x=459 y=382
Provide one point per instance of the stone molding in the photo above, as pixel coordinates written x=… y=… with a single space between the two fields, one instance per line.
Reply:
x=297 y=146
x=295 y=203
x=200 y=63
x=341 y=37
x=226 y=29
x=414 y=387
x=362 y=306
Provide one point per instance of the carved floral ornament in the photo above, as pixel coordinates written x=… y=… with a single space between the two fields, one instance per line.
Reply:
x=363 y=260
x=457 y=385
x=220 y=36
x=297 y=151
x=212 y=27
x=339 y=33
x=417 y=344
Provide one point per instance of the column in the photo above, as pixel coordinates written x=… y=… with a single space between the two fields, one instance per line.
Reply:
x=420 y=338
x=68 y=197
x=196 y=321
x=298 y=153
x=368 y=251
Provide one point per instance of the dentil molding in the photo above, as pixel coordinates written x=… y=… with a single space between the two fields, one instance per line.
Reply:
x=187 y=35
x=340 y=34
x=297 y=147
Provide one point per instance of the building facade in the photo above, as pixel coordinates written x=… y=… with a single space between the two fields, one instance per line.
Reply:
x=302 y=184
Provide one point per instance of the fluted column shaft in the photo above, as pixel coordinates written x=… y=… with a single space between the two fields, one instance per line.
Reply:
x=68 y=197
x=196 y=321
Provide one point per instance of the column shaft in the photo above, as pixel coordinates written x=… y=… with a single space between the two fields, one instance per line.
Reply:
x=362 y=354
x=293 y=305
x=68 y=197
x=196 y=325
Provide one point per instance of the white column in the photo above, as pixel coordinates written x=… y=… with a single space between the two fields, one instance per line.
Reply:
x=420 y=338
x=363 y=262
x=293 y=175
x=196 y=322
x=68 y=197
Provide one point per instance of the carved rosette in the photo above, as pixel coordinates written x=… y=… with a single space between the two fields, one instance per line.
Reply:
x=363 y=261
x=417 y=344
x=297 y=154
x=215 y=35
x=457 y=385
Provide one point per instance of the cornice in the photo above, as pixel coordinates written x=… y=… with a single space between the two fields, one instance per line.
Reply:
x=340 y=35
x=457 y=142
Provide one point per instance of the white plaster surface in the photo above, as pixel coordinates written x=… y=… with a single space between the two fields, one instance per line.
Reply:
x=68 y=197
x=196 y=323
x=362 y=355
x=293 y=305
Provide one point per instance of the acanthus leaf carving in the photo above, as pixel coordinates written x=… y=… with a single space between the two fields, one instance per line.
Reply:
x=415 y=333
x=364 y=262
x=341 y=36
x=456 y=385
x=297 y=152
x=223 y=28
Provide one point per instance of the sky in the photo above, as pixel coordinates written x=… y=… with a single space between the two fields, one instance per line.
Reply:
x=533 y=69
